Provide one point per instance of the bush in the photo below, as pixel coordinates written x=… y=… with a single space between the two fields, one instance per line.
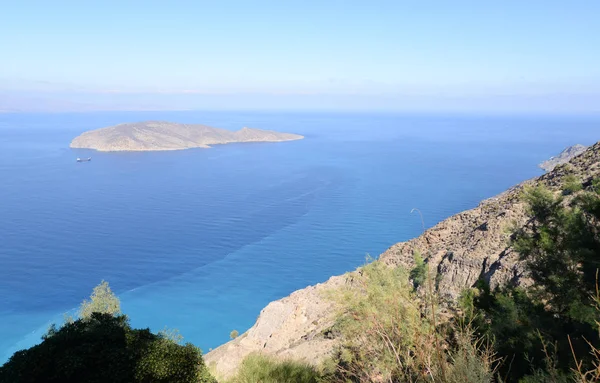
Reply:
x=260 y=368
x=560 y=247
x=390 y=334
x=596 y=185
x=419 y=272
x=104 y=348
x=572 y=184
x=102 y=300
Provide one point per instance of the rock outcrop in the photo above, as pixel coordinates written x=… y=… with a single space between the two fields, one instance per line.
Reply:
x=293 y=327
x=564 y=157
x=459 y=250
x=161 y=135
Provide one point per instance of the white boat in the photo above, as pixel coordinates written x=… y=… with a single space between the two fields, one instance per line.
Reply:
x=84 y=159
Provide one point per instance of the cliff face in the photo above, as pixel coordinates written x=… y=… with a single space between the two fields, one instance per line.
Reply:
x=160 y=135
x=293 y=327
x=461 y=249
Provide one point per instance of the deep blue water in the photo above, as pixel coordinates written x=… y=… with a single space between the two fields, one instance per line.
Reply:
x=200 y=240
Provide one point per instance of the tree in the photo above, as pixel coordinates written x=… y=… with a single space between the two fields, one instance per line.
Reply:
x=540 y=329
x=104 y=348
x=561 y=248
x=101 y=346
x=102 y=300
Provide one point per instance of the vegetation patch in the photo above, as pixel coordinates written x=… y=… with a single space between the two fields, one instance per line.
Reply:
x=101 y=346
x=549 y=332
x=390 y=334
x=260 y=368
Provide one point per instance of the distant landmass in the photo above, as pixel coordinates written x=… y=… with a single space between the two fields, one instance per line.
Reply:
x=564 y=157
x=162 y=135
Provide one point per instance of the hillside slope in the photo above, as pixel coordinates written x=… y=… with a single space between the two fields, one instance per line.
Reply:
x=461 y=249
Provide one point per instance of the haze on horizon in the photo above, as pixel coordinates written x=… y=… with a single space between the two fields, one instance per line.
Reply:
x=466 y=56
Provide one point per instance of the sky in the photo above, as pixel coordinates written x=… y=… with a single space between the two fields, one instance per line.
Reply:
x=510 y=55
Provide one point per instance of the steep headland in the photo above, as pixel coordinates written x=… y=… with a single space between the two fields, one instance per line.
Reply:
x=563 y=157
x=161 y=135
x=460 y=250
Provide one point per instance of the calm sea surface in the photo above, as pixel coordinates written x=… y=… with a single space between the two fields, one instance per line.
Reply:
x=200 y=240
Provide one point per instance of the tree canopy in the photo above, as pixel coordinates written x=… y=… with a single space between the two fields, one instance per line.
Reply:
x=102 y=300
x=539 y=331
x=101 y=346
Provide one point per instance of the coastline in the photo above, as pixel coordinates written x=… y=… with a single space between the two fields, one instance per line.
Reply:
x=174 y=149
x=459 y=250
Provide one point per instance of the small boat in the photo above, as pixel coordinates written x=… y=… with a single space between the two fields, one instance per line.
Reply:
x=84 y=159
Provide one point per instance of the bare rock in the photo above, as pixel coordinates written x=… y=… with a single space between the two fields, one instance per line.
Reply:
x=293 y=327
x=563 y=157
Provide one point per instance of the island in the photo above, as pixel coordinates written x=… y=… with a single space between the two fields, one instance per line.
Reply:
x=163 y=135
x=564 y=157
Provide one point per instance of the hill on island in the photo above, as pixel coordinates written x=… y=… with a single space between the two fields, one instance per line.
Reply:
x=162 y=135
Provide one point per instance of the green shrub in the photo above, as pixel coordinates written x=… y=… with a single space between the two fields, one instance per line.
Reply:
x=572 y=184
x=513 y=320
x=470 y=360
x=596 y=185
x=466 y=302
x=390 y=334
x=101 y=346
x=541 y=202
x=102 y=300
x=259 y=368
x=549 y=371
x=171 y=334
x=419 y=272
x=560 y=248
x=104 y=348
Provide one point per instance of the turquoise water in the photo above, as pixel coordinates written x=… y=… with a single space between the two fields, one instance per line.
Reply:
x=201 y=240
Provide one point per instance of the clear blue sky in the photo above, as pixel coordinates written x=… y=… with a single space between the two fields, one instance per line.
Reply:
x=385 y=53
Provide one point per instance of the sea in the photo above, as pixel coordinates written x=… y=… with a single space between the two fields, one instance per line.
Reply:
x=200 y=240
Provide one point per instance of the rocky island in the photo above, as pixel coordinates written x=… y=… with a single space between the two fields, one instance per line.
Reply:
x=162 y=135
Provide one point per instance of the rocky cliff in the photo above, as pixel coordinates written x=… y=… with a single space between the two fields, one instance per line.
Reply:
x=564 y=157
x=460 y=250
x=161 y=135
